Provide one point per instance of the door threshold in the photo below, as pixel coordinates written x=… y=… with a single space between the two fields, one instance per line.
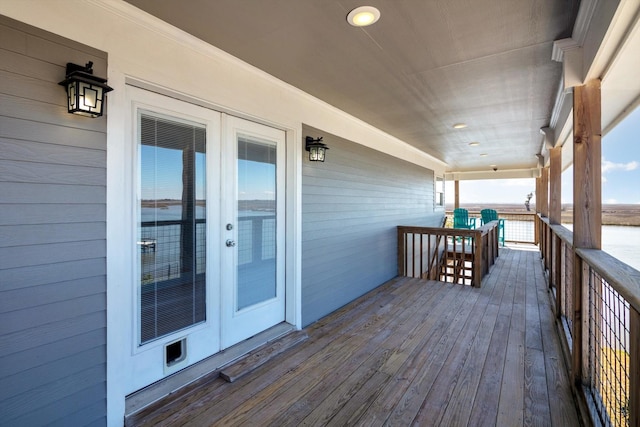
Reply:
x=140 y=399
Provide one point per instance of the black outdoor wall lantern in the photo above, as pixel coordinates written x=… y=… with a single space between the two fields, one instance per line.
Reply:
x=85 y=92
x=316 y=149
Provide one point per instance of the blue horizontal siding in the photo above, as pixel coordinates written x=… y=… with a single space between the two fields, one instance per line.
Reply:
x=52 y=237
x=351 y=206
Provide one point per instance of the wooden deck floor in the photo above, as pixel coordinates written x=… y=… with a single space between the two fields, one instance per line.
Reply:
x=411 y=352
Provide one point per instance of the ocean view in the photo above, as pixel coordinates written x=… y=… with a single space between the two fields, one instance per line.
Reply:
x=622 y=242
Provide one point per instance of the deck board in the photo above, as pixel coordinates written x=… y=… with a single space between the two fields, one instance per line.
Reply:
x=410 y=352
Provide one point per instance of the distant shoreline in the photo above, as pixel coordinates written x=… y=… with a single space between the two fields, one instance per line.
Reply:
x=626 y=215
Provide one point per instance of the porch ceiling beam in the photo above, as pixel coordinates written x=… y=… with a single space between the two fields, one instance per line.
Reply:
x=490 y=174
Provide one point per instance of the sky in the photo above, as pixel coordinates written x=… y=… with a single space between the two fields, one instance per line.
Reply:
x=161 y=176
x=620 y=174
x=161 y=173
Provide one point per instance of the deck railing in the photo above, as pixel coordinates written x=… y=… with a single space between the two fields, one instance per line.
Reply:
x=446 y=254
x=518 y=227
x=160 y=244
x=597 y=301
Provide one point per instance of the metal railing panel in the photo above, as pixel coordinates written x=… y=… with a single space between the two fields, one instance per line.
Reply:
x=606 y=355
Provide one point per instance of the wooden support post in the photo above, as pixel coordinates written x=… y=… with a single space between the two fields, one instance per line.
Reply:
x=557 y=276
x=587 y=206
x=544 y=211
x=587 y=175
x=188 y=223
x=456 y=203
x=477 y=260
x=543 y=202
x=538 y=194
x=555 y=186
x=555 y=211
x=401 y=252
x=544 y=192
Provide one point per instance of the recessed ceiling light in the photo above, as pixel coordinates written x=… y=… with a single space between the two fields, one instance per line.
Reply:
x=363 y=16
x=459 y=125
x=483 y=155
x=474 y=144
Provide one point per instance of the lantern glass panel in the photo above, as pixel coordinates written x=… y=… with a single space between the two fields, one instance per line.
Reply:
x=72 y=96
x=313 y=154
x=90 y=95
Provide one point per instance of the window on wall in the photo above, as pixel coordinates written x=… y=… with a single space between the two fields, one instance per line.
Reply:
x=439 y=192
x=171 y=230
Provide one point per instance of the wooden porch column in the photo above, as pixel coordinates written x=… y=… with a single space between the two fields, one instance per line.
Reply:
x=587 y=175
x=544 y=193
x=587 y=206
x=555 y=186
x=544 y=212
x=537 y=225
x=555 y=217
x=456 y=203
x=538 y=194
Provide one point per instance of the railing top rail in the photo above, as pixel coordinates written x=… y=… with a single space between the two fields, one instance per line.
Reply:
x=485 y=228
x=438 y=230
x=462 y=232
x=500 y=213
x=563 y=232
x=164 y=222
x=622 y=277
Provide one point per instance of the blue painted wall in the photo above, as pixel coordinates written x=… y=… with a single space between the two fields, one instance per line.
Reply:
x=351 y=205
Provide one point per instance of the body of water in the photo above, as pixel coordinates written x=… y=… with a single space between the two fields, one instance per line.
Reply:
x=621 y=242
x=168 y=213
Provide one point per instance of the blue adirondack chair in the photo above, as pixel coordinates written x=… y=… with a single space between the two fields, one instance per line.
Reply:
x=489 y=215
x=461 y=219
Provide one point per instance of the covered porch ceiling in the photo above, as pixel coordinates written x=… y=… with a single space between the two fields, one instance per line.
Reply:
x=422 y=68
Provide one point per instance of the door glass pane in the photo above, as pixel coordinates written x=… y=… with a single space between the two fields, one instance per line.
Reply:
x=171 y=227
x=256 y=278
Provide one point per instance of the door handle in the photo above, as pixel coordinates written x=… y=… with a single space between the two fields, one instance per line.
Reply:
x=230 y=243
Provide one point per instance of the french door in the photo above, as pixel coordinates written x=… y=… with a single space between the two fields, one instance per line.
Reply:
x=207 y=233
x=253 y=257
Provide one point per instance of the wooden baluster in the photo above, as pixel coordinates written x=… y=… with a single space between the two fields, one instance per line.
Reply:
x=421 y=272
x=401 y=252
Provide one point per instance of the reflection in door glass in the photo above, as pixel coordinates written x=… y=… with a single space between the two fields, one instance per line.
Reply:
x=171 y=228
x=256 y=279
